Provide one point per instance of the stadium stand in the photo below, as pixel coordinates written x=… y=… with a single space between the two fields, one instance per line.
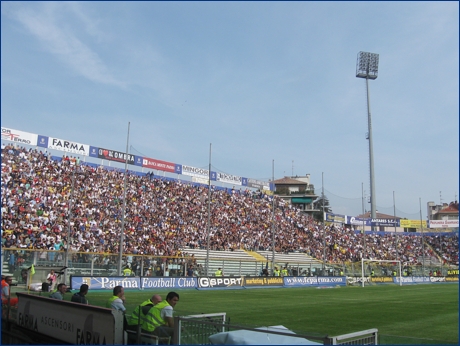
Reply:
x=166 y=217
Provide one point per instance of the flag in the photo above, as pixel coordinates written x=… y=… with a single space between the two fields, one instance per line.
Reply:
x=32 y=270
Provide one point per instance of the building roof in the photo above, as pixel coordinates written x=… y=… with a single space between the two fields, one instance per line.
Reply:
x=452 y=208
x=289 y=181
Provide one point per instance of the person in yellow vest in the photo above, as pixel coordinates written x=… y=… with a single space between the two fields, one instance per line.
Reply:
x=139 y=315
x=160 y=318
x=117 y=301
x=284 y=272
x=219 y=272
x=276 y=272
x=127 y=271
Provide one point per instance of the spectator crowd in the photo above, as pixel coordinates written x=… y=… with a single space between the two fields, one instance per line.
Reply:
x=163 y=216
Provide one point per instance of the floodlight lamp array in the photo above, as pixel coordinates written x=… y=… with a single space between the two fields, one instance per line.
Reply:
x=367 y=65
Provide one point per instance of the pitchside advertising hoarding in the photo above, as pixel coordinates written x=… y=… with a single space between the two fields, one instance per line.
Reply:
x=300 y=281
x=203 y=282
x=109 y=282
x=70 y=322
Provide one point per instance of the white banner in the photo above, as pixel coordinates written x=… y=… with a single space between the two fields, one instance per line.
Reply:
x=228 y=178
x=19 y=137
x=443 y=223
x=200 y=180
x=68 y=146
x=194 y=171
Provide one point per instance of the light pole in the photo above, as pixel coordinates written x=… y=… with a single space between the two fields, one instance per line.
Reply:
x=69 y=239
x=367 y=67
x=324 y=224
x=122 y=230
x=208 y=228
x=273 y=220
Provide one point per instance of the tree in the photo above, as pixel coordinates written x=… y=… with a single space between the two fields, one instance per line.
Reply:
x=318 y=204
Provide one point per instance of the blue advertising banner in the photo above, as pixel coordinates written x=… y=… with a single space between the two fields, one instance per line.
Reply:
x=42 y=141
x=385 y=222
x=93 y=151
x=138 y=160
x=109 y=282
x=168 y=282
x=104 y=282
x=178 y=169
x=412 y=279
x=298 y=281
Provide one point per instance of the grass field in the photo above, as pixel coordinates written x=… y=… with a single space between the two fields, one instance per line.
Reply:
x=411 y=314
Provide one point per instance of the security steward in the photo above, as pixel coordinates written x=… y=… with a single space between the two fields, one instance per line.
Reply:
x=276 y=272
x=127 y=271
x=141 y=317
x=218 y=272
x=284 y=272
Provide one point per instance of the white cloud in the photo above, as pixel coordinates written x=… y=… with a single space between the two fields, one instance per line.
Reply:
x=66 y=46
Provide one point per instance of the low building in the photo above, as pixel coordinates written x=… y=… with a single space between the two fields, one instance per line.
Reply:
x=298 y=191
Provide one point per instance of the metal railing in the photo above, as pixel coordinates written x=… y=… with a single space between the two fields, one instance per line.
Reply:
x=200 y=329
x=105 y=264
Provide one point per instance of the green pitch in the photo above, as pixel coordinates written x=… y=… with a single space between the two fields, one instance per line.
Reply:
x=411 y=314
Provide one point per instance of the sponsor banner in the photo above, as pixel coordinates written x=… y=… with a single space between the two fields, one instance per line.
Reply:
x=208 y=282
x=411 y=279
x=263 y=281
x=195 y=171
x=452 y=272
x=93 y=151
x=138 y=160
x=351 y=220
x=443 y=224
x=105 y=282
x=200 y=180
x=257 y=184
x=19 y=137
x=437 y=279
x=385 y=222
x=452 y=279
x=354 y=280
x=69 y=322
x=68 y=146
x=112 y=155
x=168 y=282
x=178 y=169
x=412 y=223
x=42 y=141
x=109 y=282
x=297 y=281
x=330 y=217
x=229 y=178
x=158 y=164
x=381 y=279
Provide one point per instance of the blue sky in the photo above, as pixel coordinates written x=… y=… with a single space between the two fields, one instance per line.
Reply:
x=261 y=81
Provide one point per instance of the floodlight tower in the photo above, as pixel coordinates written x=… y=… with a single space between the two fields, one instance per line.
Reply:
x=367 y=67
